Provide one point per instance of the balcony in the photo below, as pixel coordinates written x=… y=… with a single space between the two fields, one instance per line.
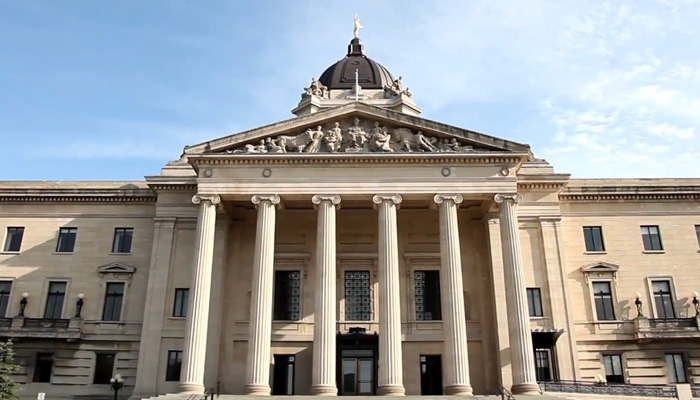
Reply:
x=650 y=329
x=614 y=389
x=41 y=328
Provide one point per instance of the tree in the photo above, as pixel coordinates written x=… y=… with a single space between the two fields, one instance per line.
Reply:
x=8 y=387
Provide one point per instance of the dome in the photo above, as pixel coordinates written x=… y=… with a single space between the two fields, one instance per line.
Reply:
x=371 y=74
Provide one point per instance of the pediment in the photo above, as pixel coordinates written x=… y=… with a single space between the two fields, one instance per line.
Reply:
x=116 y=268
x=356 y=128
x=600 y=266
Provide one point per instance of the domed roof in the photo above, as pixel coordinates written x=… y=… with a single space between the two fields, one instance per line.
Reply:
x=371 y=74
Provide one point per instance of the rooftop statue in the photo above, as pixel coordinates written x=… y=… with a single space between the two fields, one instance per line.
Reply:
x=356 y=29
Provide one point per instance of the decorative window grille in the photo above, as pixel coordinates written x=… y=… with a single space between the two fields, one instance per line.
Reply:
x=358 y=296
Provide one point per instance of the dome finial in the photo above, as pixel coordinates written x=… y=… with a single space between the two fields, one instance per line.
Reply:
x=356 y=29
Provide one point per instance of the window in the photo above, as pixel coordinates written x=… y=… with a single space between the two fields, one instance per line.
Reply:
x=534 y=302
x=593 y=235
x=663 y=299
x=676 y=368
x=181 y=298
x=66 y=240
x=113 y=302
x=283 y=375
x=172 y=373
x=358 y=296
x=431 y=375
x=697 y=233
x=613 y=368
x=13 y=239
x=43 y=368
x=122 y=240
x=651 y=238
x=427 y=285
x=603 y=301
x=543 y=369
x=287 y=305
x=104 y=367
x=54 y=300
x=5 y=288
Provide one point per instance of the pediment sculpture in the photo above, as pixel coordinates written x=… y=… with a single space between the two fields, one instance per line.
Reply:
x=396 y=89
x=315 y=89
x=357 y=137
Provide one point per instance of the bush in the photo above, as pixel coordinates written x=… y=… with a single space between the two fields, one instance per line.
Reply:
x=8 y=387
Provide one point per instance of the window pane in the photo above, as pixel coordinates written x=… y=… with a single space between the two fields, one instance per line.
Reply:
x=663 y=299
x=5 y=288
x=697 y=233
x=104 y=367
x=66 y=240
x=13 y=240
x=54 y=300
x=593 y=236
x=287 y=298
x=534 y=302
x=181 y=299
x=613 y=368
x=651 y=237
x=122 y=240
x=172 y=373
x=43 y=367
x=680 y=368
x=427 y=296
x=113 y=302
x=358 y=296
x=603 y=301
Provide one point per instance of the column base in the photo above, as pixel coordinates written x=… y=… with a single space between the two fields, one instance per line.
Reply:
x=391 y=390
x=459 y=390
x=256 y=390
x=324 y=390
x=525 y=388
x=194 y=388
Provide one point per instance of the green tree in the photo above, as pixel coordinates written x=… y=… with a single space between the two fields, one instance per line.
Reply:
x=8 y=387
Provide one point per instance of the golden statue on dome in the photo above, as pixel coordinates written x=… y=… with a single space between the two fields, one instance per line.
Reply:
x=358 y=26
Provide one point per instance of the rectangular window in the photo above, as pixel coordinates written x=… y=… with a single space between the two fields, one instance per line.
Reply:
x=543 y=369
x=676 y=368
x=613 y=368
x=651 y=238
x=283 y=375
x=181 y=299
x=54 y=300
x=287 y=301
x=104 y=367
x=358 y=296
x=113 y=302
x=431 y=375
x=43 y=367
x=172 y=373
x=534 y=302
x=5 y=288
x=663 y=299
x=66 y=240
x=427 y=285
x=697 y=233
x=603 y=301
x=593 y=235
x=13 y=239
x=122 y=240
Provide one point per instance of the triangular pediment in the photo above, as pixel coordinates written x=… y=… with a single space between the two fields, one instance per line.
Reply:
x=356 y=128
x=600 y=266
x=116 y=268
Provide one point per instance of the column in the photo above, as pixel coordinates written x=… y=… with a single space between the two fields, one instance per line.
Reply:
x=260 y=321
x=521 y=352
x=323 y=370
x=390 y=382
x=194 y=354
x=454 y=321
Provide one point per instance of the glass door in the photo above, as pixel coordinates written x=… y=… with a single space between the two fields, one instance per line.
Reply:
x=358 y=376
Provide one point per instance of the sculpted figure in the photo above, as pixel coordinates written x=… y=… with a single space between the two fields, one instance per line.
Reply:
x=273 y=147
x=380 y=139
x=357 y=135
x=315 y=139
x=315 y=89
x=396 y=88
x=333 y=138
x=423 y=143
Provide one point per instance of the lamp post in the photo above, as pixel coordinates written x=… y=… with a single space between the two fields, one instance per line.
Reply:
x=117 y=382
x=638 y=303
x=79 y=305
x=23 y=304
x=696 y=303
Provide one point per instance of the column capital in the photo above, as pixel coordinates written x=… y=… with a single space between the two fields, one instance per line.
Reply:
x=259 y=198
x=380 y=198
x=320 y=198
x=442 y=197
x=514 y=197
x=212 y=198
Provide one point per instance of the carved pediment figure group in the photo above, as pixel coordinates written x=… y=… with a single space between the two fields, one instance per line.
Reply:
x=396 y=89
x=356 y=138
x=315 y=89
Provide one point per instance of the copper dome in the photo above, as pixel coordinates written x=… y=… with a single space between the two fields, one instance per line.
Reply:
x=371 y=74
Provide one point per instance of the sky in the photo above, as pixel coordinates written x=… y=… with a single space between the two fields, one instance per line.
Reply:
x=112 y=90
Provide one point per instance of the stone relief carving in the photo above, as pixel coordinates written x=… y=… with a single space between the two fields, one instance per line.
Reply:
x=396 y=89
x=315 y=89
x=357 y=136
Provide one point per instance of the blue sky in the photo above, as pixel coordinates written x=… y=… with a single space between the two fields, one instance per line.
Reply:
x=94 y=90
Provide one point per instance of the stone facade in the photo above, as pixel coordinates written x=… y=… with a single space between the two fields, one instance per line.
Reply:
x=414 y=196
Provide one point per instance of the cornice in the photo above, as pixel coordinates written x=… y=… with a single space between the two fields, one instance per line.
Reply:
x=596 y=197
x=173 y=187
x=541 y=185
x=143 y=196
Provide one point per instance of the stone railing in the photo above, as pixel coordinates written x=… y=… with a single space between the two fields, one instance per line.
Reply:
x=47 y=323
x=647 y=329
x=695 y=391
x=5 y=322
x=46 y=328
x=609 y=389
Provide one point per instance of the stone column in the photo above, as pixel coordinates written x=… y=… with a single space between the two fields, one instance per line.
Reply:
x=323 y=369
x=390 y=382
x=454 y=321
x=260 y=321
x=194 y=354
x=521 y=352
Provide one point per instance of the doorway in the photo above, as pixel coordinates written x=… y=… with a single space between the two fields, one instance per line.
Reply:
x=357 y=363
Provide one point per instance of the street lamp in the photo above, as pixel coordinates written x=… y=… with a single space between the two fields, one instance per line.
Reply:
x=117 y=382
x=23 y=304
x=638 y=303
x=696 y=303
x=79 y=305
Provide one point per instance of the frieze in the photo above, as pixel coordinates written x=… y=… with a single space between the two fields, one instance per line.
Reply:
x=357 y=136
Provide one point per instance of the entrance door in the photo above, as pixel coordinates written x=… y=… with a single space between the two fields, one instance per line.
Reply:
x=357 y=376
x=430 y=375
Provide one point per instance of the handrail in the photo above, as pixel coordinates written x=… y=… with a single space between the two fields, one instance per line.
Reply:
x=505 y=394
x=620 y=389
